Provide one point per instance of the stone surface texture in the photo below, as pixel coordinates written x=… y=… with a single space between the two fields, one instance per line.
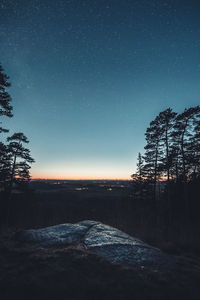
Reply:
x=103 y=240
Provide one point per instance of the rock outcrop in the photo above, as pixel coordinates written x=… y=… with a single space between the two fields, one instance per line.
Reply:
x=106 y=241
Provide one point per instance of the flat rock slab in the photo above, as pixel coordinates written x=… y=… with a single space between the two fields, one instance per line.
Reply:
x=62 y=234
x=104 y=240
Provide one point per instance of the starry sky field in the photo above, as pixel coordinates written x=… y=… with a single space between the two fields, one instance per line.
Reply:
x=88 y=76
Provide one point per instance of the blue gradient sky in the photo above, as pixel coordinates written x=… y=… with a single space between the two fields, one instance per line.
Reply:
x=88 y=77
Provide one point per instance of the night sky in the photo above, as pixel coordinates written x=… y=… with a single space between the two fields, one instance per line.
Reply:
x=88 y=76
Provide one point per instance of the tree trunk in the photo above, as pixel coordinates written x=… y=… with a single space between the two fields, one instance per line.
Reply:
x=167 y=152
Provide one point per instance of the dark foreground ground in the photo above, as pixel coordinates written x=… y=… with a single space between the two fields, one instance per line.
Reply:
x=33 y=272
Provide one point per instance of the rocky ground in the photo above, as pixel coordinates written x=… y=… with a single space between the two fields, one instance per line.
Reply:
x=101 y=239
x=32 y=271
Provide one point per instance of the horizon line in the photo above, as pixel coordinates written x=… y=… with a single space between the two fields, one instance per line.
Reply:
x=38 y=178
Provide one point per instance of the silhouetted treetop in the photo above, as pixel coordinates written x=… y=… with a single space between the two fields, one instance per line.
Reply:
x=19 y=137
x=172 y=149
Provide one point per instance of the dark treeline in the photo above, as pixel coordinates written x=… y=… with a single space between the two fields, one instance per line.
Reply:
x=15 y=159
x=172 y=150
x=167 y=180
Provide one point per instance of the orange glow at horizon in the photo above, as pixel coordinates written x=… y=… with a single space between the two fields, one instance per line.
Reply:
x=34 y=177
x=86 y=171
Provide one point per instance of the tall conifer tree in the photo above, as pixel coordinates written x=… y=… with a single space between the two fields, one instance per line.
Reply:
x=152 y=154
x=20 y=159
x=166 y=122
